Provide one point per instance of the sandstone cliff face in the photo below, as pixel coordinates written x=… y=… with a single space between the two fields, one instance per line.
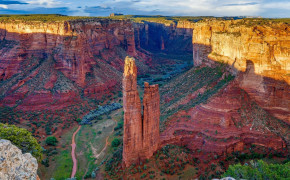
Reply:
x=151 y=118
x=164 y=37
x=259 y=54
x=132 y=143
x=45 y=63
x=141 y=134
x=14 y=164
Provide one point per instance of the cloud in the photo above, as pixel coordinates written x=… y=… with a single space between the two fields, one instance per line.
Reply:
x=45 y=3
x=39 y=10
x=3 y=6
x=267 y=8
x=242 y=4
x=11 y=2
x=98 y=10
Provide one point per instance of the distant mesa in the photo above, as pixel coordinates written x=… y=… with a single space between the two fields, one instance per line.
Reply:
x=116 y=14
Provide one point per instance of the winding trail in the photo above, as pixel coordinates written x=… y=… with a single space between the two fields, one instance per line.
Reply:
x=73 y=147
x=107 y=141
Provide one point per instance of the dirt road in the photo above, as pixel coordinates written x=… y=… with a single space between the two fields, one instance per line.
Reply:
x=73 y=147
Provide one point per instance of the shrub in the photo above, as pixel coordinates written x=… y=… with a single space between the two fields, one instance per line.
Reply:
x=258 y=170
x=51 y=141
x=78 y=120
x=21 y=138
x=116 y=142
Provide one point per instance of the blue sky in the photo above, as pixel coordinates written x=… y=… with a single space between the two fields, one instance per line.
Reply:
x=265 y=8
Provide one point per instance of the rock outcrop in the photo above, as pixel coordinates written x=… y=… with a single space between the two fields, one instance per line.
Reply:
x=141 y=134
x=43 y=65
x=258 y=54
x=151 y=118
x=14 y=164
x=132 y=143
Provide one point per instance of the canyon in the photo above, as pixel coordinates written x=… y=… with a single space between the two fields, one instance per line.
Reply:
x=236 y=95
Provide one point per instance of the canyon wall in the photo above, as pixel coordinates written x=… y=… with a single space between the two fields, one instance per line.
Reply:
x=164 y=37
x=258 y=54
x=51 y=65
x=141 y=133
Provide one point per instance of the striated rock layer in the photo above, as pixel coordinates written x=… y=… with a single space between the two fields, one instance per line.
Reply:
x=14 y=164
x=141 y=134
x=151 y=118
x=259 y=53
x=52 y=65
x=132 y=143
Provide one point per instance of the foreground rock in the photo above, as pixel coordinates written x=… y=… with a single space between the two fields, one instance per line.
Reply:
x=14 y=164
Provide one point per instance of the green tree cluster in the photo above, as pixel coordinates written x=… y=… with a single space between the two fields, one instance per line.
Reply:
x=116 y=142
x=21 y=138
x=51 y=141
x=259 y=170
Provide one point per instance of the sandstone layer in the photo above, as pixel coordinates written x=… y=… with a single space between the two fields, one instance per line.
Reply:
x=14 y=164
x=132 y=143
x=141 y=133
x=259 y=53
x=52 y=65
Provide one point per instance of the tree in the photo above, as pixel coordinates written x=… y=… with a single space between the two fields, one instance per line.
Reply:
x=116 y=142
x=52 y=141
x=21 y=138
x=258 y=170
x=78 y=120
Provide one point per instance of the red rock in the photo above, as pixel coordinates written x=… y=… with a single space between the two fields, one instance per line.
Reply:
x=151 y=118
x=86 y=52
x=141 y=135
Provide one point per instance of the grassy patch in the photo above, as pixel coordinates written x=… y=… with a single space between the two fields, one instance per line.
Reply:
x=63 y=166
x=60 y=164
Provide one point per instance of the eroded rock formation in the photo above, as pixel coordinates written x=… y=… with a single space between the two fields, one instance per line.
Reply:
x=258 y=54
x=14 y=164
x=43 y=65
x=141 y=134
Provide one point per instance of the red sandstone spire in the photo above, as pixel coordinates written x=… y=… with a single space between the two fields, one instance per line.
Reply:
x=151 y=118
x=132 y=114
x=141 y=138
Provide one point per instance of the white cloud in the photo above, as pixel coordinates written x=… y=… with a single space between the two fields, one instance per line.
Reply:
x=3 y=6
x=277 y=5
x=45 y=3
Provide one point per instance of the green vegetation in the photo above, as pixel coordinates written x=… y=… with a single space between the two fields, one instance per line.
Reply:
x=21 y=138
x=64 y=165
x=211 y=79
x=259 y=170
x=40 y=18
x=51 y=141
x=78 y=120
x=249 y=22
x=93 y=139
x=116 y=142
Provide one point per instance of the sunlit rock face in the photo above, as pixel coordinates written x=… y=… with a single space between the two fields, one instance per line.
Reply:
x=14 y=164
x=56 y=63
x=132 y=114
x=259 y=54
x=141 y=133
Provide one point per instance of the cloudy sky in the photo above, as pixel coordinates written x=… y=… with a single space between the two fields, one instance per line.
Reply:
x=265 y=8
